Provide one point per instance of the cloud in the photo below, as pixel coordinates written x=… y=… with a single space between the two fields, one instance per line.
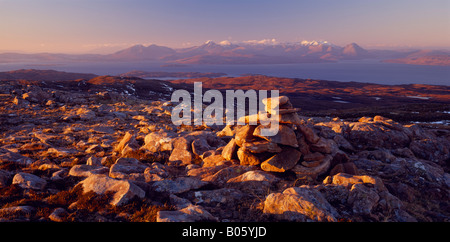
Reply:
x=261 y=42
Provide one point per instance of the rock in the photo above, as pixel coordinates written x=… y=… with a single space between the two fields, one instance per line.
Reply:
x=94 y=149
x=58 y=215
x=93 y=161
x=281 y=102
x=123 y=190
x=155 y=172
x=128 y=168
x=366 y=136
x=181 y=157
x=192 y=213
x=285 y=135
x=179 y=185
x=244 y=134
x=229 y=151
x=181 y=152
x=431 y=149
x=199 y=146
x=61 y=152
x=252 y=176
x=85 y=114
x=247 y=158
x=26 y=180
x=290 y=118
x=223 y=175
x=325 y=146
x=300 y=204
x=283 y=161
x=302 y=171
x=13 y=157
x=362 y=199
x=5 y=176
x=348 y=168
x=349 y=180
x=261 y=146
x=312 y=159
x=227 y=196
x=87 y=170
x=158 y=141
x=342 y=143
x=18 y=210
x=178 y=202
x=229 y=130
x=127 y=139
x=309 y=134
x=214 y=160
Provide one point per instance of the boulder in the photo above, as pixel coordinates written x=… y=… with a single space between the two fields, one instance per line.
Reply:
x=123 y=190
x=285 y=135
x=243 y=134
x=300 y=204
x=26 y=180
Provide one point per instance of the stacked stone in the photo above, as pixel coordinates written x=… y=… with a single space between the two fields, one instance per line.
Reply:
x=295 y=147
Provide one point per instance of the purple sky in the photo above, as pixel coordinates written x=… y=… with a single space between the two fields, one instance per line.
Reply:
x=81 y=26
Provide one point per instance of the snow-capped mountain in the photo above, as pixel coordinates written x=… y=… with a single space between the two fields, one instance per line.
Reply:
x=266 y=51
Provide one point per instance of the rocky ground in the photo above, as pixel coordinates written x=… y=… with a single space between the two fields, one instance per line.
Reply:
x=85 y=151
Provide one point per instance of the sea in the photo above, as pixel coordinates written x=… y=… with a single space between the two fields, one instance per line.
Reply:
x=367 y=71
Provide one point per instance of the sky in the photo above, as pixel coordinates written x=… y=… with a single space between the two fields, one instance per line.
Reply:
x=95 y=26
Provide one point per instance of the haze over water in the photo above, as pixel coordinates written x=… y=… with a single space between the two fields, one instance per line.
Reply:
x=369 y=71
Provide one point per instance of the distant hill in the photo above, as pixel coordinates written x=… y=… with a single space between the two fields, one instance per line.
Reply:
x=424 y=57
x=43 y=75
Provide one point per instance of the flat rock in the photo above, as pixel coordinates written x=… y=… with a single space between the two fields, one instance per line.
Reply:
x=26 y=180
x=192 y=213
x=228 y=196
x=214 y=160
x=283 y=161
x=313 y=172
x=257 y=175
x=285 y=135
x=123 y=190
x=261 y=146
x=87 y=170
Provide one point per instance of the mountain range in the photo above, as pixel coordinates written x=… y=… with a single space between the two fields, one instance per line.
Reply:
x=226 y=52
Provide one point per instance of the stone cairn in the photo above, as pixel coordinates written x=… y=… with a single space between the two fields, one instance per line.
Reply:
x=295 y=147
